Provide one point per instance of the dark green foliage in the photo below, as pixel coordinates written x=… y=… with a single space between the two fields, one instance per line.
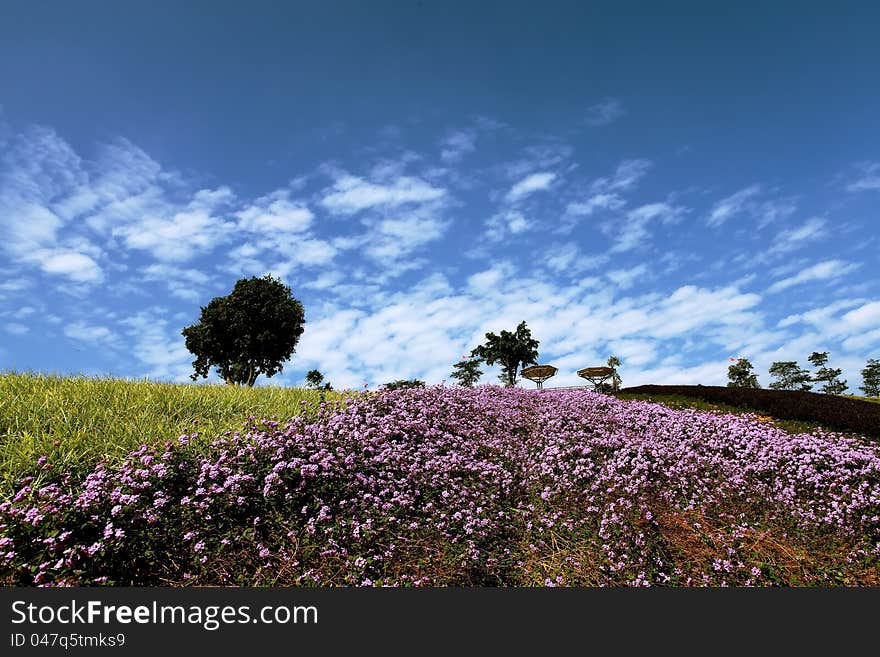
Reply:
x=614 y=363
x=314 y=379
x=790 y=376
x=871 y=378
x=251 y=331
x=404 y=384
x=832 y=385
x=833 y=412
x=742 y=375
x=467 y=372
x=510 y=350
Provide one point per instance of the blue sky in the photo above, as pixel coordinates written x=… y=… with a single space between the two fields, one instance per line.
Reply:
x=674 y=184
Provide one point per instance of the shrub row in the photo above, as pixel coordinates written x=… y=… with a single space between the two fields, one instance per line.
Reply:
x=833 y=412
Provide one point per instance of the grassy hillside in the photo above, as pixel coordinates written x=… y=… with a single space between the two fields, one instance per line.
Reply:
x=77 y=420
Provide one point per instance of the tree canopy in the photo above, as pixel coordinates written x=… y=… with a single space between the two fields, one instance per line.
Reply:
x=616 y=381
x=790 y=376
x=829 y=377
x=510 y=349
x=467 y=371
x=871 y=378
x=741 y=375
x=249 y=332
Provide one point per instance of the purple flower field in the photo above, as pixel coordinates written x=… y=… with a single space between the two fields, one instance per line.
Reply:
x=453 y=486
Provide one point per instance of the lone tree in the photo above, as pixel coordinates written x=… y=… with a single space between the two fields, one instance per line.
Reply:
x=249 y=332
x=790 y=376
x=742 y=375
x=314 y=379
x=614 y=363
x=871 y=378
x=826 y=375
x=467 y=371
x=510 y=350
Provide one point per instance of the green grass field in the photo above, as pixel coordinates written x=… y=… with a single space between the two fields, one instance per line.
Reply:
x=76 y=421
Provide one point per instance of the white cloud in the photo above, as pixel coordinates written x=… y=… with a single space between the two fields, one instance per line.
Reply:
x=13 y=285
x=593 y=203
x=92 y=334
x=159 y=346
x=604 y=112
x=793 y=238
x=275 y=214
x=540 y=157
x=868 y=177
x=627 y=175
x=502 y=224
x=534 y=182
x=181 y=234
x=633 y=231
x=825 y=270
x=568 y=258
x=78 y=267
x=187 y=284
x=626 y=278
x=746 y=202
x=863 y=318
x=397 y=237
x=458 y=144
x=350 y=194
x=732 y=205
x=16 y=328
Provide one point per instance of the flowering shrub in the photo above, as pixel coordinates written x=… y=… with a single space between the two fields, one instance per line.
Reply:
x=458 y=486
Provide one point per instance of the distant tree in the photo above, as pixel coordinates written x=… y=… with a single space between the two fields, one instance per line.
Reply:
x=314 y=379
x=614 y=363
x=830 y=378
x=790 y=376
x=467 y=371
x=249 y=332
x=871 y=378
x=511 y=350
x=741 y=375
x=404 y=384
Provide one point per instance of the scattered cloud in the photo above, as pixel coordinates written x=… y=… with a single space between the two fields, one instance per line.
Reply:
x=595 y=202
x=158 y=346
x=625 y=178
x=568 y=258
x=534 y=182
x=82 y=331
x=456 y=145
x=16 y=328
x=503 y=224
x=626 y=278
x=350 y=194
x=604 y=112
x=78 y=267
x=867 y=178
x=187 y=284
x=633 y=231
x=732 y=205
x=747 y=202
x=274 y=214
x=795 y=237
x=822 y=271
